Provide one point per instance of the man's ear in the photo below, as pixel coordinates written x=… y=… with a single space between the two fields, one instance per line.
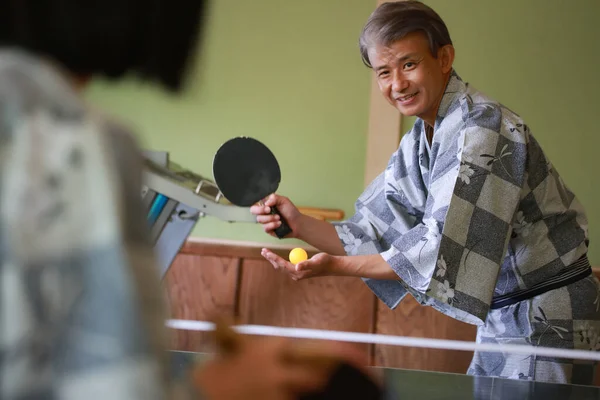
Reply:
x=446 y=57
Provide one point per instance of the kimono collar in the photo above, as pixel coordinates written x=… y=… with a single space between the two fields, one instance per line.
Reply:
x=455 y=88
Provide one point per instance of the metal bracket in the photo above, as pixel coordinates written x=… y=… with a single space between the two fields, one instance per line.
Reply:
x=175 y=200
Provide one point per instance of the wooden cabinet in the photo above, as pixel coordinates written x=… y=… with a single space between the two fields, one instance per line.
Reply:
x=235 y=281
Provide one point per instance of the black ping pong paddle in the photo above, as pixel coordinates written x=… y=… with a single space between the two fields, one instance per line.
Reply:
x=246 y=171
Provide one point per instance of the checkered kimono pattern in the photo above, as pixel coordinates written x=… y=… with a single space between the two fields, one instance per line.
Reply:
x=478 y=213
x=81 y=307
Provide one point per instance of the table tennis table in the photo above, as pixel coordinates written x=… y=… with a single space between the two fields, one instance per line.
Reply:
x=176 y=199
x=428 y=385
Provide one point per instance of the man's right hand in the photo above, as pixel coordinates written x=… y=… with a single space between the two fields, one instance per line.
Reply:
x=270 y=222
x=319 y=234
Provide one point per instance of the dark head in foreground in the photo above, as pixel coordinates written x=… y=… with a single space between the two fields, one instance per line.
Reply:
x=154 y=40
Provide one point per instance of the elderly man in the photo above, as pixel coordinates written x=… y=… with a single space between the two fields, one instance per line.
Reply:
x=469 y=217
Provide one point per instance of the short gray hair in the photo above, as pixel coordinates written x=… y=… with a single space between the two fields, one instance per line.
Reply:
x=393 y=21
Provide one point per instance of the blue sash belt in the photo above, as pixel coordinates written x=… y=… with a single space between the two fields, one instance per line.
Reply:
x=580 y=269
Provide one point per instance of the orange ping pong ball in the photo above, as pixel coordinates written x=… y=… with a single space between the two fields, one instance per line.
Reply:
x=298 y=255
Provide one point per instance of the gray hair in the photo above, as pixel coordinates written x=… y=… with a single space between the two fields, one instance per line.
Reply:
x=393 y=21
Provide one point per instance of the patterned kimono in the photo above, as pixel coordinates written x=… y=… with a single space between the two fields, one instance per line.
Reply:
x=480 y=226
x=81 y=307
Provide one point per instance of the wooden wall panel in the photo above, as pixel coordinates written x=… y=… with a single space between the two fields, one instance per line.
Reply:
x=414 y=320
x=199 y=288
x=270 y=297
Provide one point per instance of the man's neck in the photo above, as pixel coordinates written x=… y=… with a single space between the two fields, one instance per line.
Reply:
x=429 y=133
x=430 y=119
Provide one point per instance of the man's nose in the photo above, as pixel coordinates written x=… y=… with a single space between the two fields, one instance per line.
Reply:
x=399 y=83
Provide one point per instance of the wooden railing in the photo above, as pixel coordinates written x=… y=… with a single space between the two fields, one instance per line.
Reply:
x=324 y=214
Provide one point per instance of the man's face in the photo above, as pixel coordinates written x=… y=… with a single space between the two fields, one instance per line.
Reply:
x=409 y=77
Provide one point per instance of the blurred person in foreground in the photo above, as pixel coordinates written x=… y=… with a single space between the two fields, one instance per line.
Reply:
x=81 y=310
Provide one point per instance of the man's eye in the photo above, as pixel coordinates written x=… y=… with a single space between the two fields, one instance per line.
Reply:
x=409 y=65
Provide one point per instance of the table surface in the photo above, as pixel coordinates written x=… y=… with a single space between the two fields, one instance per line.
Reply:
x=426 y=385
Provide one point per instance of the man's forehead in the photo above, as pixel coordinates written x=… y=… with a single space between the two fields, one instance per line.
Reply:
x=398 y=50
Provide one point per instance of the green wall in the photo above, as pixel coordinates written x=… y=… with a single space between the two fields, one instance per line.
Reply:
x=289 y=73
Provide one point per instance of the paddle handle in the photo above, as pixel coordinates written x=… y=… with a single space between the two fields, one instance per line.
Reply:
x=283 y=230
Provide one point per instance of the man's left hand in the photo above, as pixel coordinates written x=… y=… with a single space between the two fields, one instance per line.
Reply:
x=321 y=264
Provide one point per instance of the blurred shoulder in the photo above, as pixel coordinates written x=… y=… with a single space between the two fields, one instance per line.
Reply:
x=32 y=87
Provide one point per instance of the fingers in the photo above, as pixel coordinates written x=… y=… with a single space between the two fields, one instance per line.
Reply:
x=260 y=209
x=303 y=266
x=321 y=264
x=264 y=207
x=270 y=228
x=272 y=200
x=279 y=263
x=307 y=267
x=276 y=261
x=270 y=257
x=269 y=218
x=269 y=221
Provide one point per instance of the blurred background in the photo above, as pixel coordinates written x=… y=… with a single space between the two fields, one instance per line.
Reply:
x=289 y=73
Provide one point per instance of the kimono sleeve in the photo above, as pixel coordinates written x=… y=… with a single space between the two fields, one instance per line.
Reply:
x=363 y=234
x=451 y=260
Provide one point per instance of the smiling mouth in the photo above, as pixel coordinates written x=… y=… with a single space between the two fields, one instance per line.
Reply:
x=405 y=98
